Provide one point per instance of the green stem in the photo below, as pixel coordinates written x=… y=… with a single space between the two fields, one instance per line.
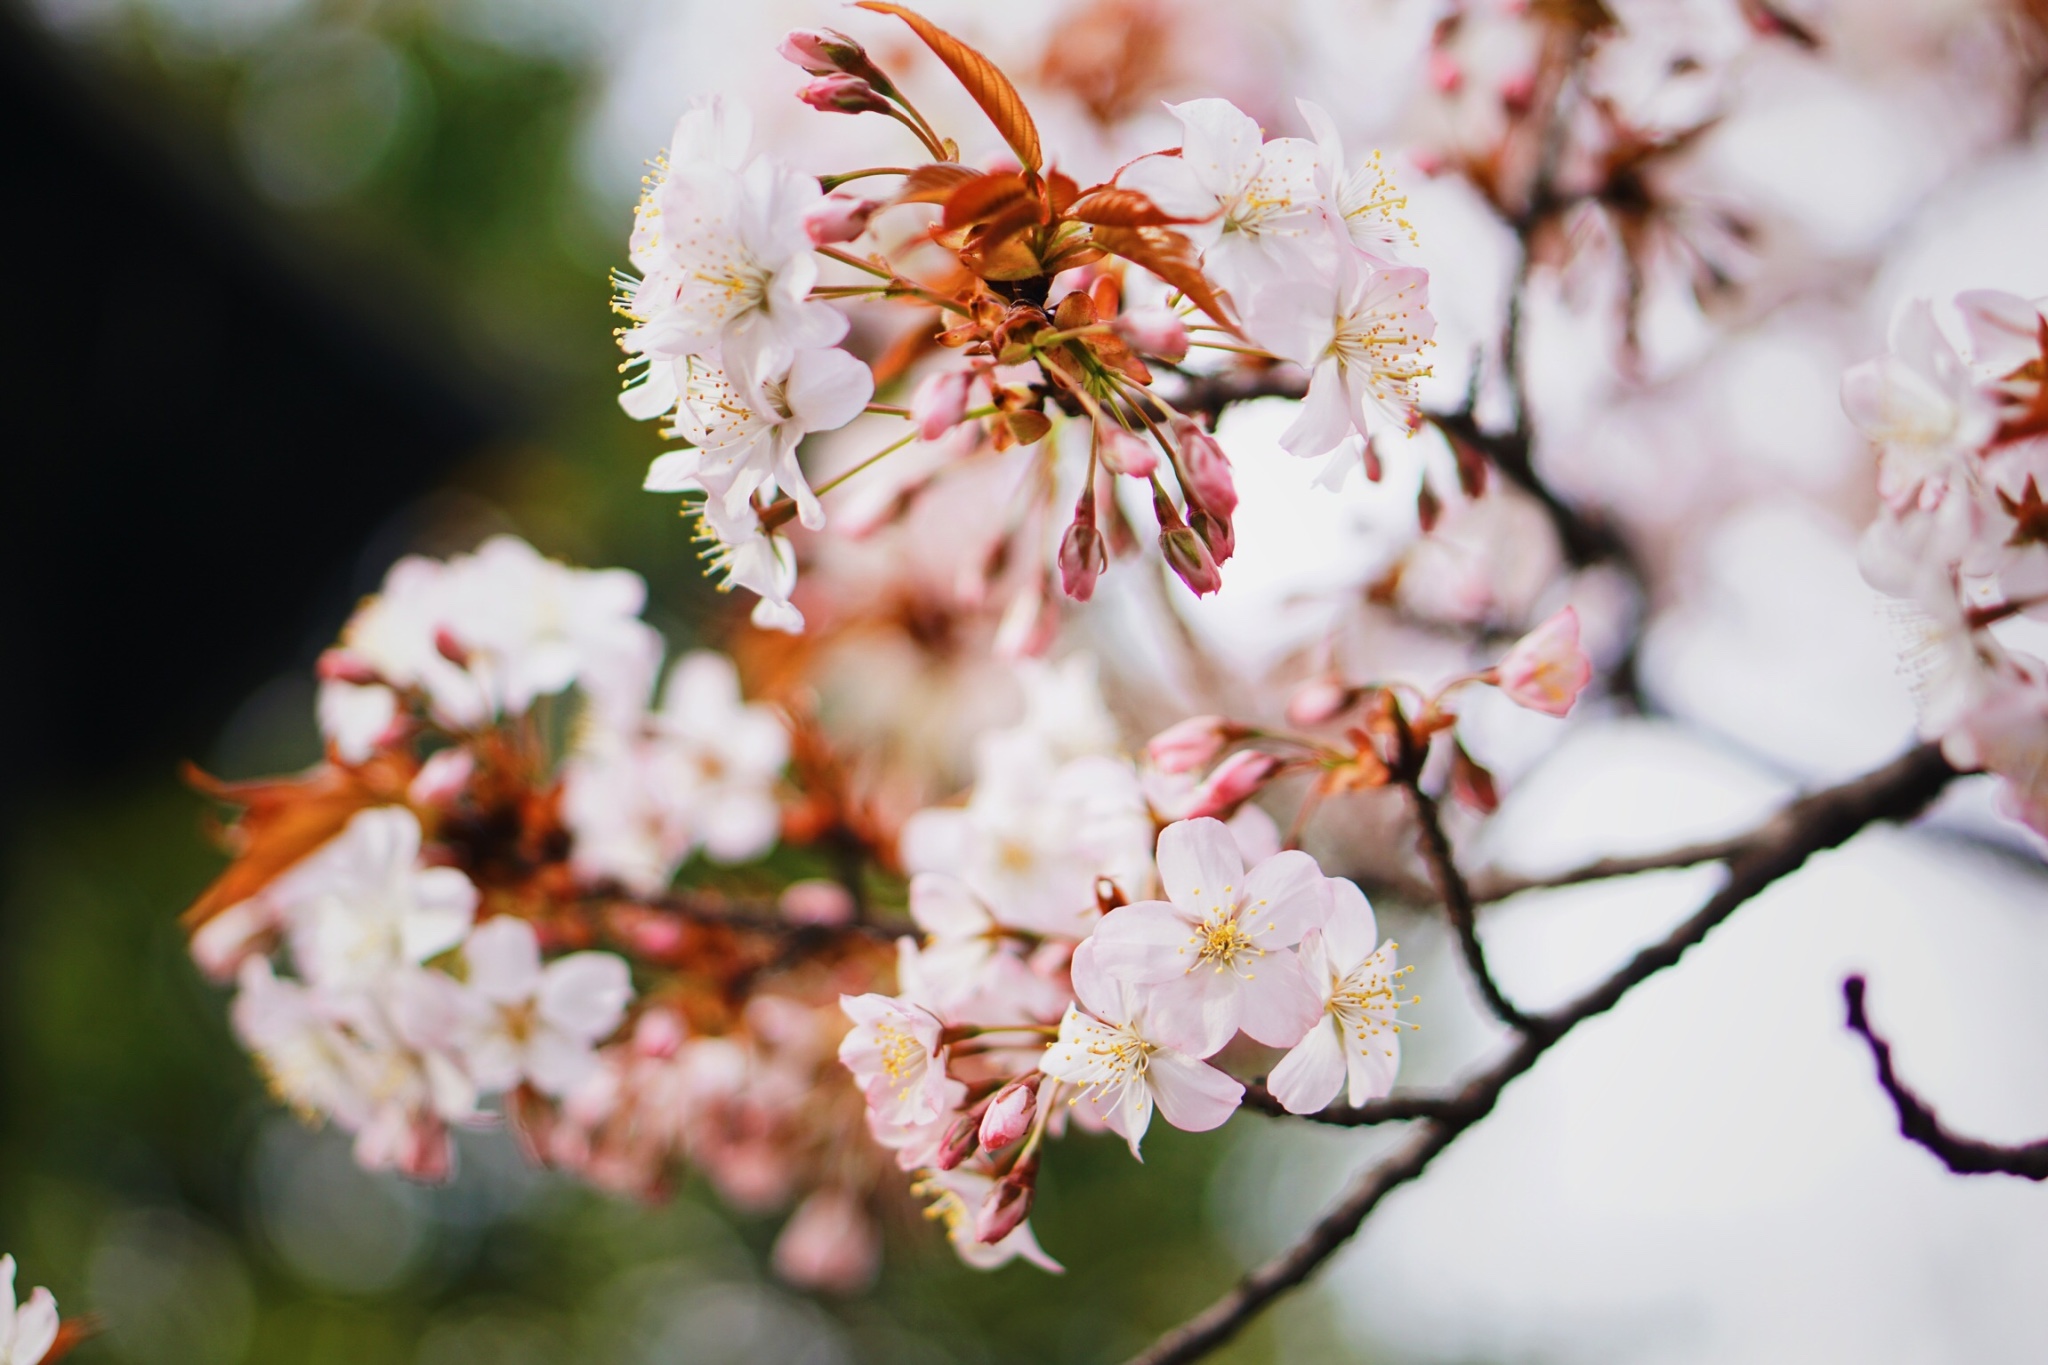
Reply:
x=833 y=182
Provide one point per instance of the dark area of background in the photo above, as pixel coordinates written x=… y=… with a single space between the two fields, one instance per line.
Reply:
x=221 y=420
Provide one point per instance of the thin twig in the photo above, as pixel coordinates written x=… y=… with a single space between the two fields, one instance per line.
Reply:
x=1392 y=1109
x=1457 y=898
x=1824 y=820
x=1918 y=1123
x=1498 y=886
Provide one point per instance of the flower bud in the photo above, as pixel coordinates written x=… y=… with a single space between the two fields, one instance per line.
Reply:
x=1235 y=780
x=1083 y=557
x=1190 y=744
x=816 y=900
x=960 y=1141
x=1124 y=452
x=441 y=778
x=1008 y=1203
x=1189 y=559
x=1319 y=700
x=1009 y=1114
x=450 y=648
x=1207 y=468
x=940 y=403
x=1155 y=331
x=829 y=1244
x=838 y=218
x=842 y=94
x=1216 y=533
x=1546 y=670
x=338 y=665
x=825 y=52
x=1444 y=72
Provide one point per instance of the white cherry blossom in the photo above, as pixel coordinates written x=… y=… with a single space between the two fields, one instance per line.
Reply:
x=1364 y=201
x=1357 y=1043
x=739 y=552
x=28 y=1331
x=362 y=905
x=896 y=1058
x=539 y=1023
x=957 y=1197
x=1921 y=406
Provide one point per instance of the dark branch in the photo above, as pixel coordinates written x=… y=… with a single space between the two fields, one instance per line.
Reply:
x=1812 y=824
x=1499 y=886
x=1918 y=1123
x=1457 y=899
x=1392 y=1109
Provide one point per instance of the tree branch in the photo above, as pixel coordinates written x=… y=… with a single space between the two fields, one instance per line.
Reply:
x=1918 y=1123
x=1457 y=899
x=1500 y=885
x=1824 y=820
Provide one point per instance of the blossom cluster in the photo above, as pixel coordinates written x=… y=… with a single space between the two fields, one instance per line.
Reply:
x=1960 y=542
x=1042 y=309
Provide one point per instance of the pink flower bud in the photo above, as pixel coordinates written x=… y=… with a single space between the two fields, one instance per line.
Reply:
x=959 y=1143
x=1125 y=452
x=940 y=403
x=1083 y=557
x=843 y=94
x=658 y=1033
x=1008 y=1204
x=1207 y=468
x=1009 y=1114
x=450 y=648
x=838 y=218
x=1155 y=331
x=1444 y=72
x=829 y=1244
x=1235 y=780
x=338 y=665
x=441 y=778
x=816 y=901
x=1216 y=532
x=1190 y=744
x=1189 y=559
x=823 y=52
x=1546 y=670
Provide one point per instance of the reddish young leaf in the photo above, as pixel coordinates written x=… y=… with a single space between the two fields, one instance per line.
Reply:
x=1115 y=206
x=1471 y=784
x=70 y=1333
x=989 y=86
x=1170 y=256
x=935 y=183
x=993 y=197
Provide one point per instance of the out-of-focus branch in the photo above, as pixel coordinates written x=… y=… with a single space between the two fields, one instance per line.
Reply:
x=1392 y=1109
x=1500 y=885
x=1810 y=825
x=1457 y=898
x=1918 y=1123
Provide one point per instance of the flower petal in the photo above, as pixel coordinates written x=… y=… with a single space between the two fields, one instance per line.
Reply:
x=1281 y=1001
x=1309 y=1077
x=1199 y=866
x=1146 y=943
x=1283 y=898
x=1193 y=1096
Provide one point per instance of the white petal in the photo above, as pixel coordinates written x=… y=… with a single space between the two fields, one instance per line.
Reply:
x=1146 y=943
x=1283 y=898
x=674 y=471
x=1194 y=1096
x=1309 y=1077
x=1196 y=1013
x=504 y=960
x=1326 y=417
x=944 y=908
x=1350 y=933
x=585 y=994
x=1281 y=1001
x=827 y=389
x=1199 y=865
x=35 y=1328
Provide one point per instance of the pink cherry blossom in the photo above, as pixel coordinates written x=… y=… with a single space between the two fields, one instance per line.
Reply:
x=1357 y=1043
x=1546 y=670
x=896 y=1058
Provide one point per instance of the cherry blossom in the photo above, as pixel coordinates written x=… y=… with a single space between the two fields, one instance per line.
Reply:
x=1920 y=404
x=1546 y=669
x=364 y=905
x=895 y=1056
x=956 y=1197
x=1357 y=1045
x=539 y=1023
x=1212 y=957
x=28 y=1331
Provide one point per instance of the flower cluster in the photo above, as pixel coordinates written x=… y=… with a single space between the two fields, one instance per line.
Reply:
x=1056 y=302
x=1961 y=539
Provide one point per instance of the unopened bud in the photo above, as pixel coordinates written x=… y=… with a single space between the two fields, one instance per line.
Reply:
x=1444 y=72
x=1125 y=452
x=1190 y=744
x=1009 y=1114
x=1008 y=1204
x=1207 y=468
x=842 y=94
x=1236 y=780
x=1083 y=557
x=939 y=403
x=826 y=52
x=441 y=778
x=838 y=218
x=1155 y=331
x=1319 y=700
x=338 y=665
x=450 y=648
x=1189 y=559
x=961 y=1140
x=816 y=900
x=1216 y=533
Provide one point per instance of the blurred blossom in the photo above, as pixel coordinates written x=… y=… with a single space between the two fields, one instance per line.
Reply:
x=662 y=1313
x=171 y=1291
x=335 y=1225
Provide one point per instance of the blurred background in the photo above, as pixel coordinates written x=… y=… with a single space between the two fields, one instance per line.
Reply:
x=295 y=286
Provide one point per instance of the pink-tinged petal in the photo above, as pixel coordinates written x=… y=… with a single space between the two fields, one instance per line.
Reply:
x=558 y=1064
x=1309 y=1077
x=1221 y=143
x=945 y=908
x=585 y=994
x=35 y=1328
x=1023 y=1243
x=1099 y=992
x=1199 y=865
x=1281 y=1000
x=1193 y=1096
x=7 y=1274
x=827 y=389
x=1371 y=1065
x=1350 y=934
x=1283 y=898
x=936 y=840
x=1326 y=417
x=1146 y=943
x=504 y=960
x=2004 y=329
x=1196 y=1013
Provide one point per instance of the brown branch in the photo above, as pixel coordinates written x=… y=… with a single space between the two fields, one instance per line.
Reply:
x=1450 y=885
x=1918 y=1123
x=1392 y=1109
x=1810 y=825
x=1500 y=885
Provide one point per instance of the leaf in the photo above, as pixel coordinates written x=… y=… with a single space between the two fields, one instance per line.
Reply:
x=1115 y=206
x=1170 y=256
x=933 y=184
x=998 y=197
x=989 y=86
x=285 y=820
